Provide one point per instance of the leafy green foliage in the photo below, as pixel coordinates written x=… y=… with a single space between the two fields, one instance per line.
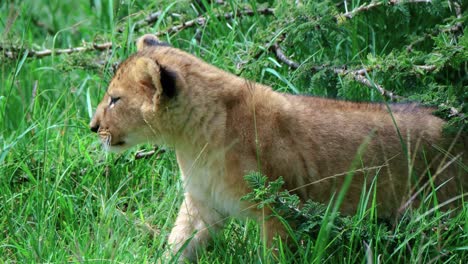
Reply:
x=416 y=51
x=358 y=233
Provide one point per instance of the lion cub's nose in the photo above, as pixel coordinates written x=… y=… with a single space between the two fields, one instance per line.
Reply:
x=94 y=128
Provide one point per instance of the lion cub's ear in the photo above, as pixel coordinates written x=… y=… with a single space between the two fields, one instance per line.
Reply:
x=149 y=40
x=156 y=79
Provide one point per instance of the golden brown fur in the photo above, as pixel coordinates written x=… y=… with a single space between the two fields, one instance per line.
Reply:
x=223 y=127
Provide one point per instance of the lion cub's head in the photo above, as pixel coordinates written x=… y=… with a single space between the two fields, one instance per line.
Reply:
x=134 y=100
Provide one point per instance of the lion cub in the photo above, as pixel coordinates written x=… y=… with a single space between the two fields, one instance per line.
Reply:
x=223 y=127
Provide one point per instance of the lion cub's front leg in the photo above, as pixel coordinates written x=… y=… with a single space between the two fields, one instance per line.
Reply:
x=194 y=223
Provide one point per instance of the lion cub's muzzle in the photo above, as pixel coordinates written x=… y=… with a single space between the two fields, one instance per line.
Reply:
x=105 y=136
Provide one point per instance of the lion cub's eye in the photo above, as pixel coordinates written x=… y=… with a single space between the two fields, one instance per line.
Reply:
x=113 y=100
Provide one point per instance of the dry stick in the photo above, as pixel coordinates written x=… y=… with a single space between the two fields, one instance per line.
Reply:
x=12 y=52
x=362 y=79
x=280 y=55
x=144 y=154
x=427 y=68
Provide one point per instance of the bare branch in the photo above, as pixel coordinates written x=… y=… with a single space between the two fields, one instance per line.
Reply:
x=201 y=21
x=352 y=13
x=280 y=55
x=372 y=5
x=427 y=68
x=358 y=75
x=13 y=52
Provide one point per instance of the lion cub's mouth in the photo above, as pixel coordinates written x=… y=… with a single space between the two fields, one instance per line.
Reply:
x=106 y=139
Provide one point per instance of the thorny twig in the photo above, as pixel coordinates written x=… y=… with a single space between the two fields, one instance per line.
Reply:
x=201 y=21
x=369 y=6
x=358 y=75
x=457 y=28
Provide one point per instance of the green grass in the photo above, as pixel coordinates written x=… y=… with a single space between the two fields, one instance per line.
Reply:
x=63 y=199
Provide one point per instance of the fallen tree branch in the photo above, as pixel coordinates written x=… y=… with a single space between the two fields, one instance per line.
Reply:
x=14 y=52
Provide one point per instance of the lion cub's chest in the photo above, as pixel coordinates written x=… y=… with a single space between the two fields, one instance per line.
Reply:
x=204 y=179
